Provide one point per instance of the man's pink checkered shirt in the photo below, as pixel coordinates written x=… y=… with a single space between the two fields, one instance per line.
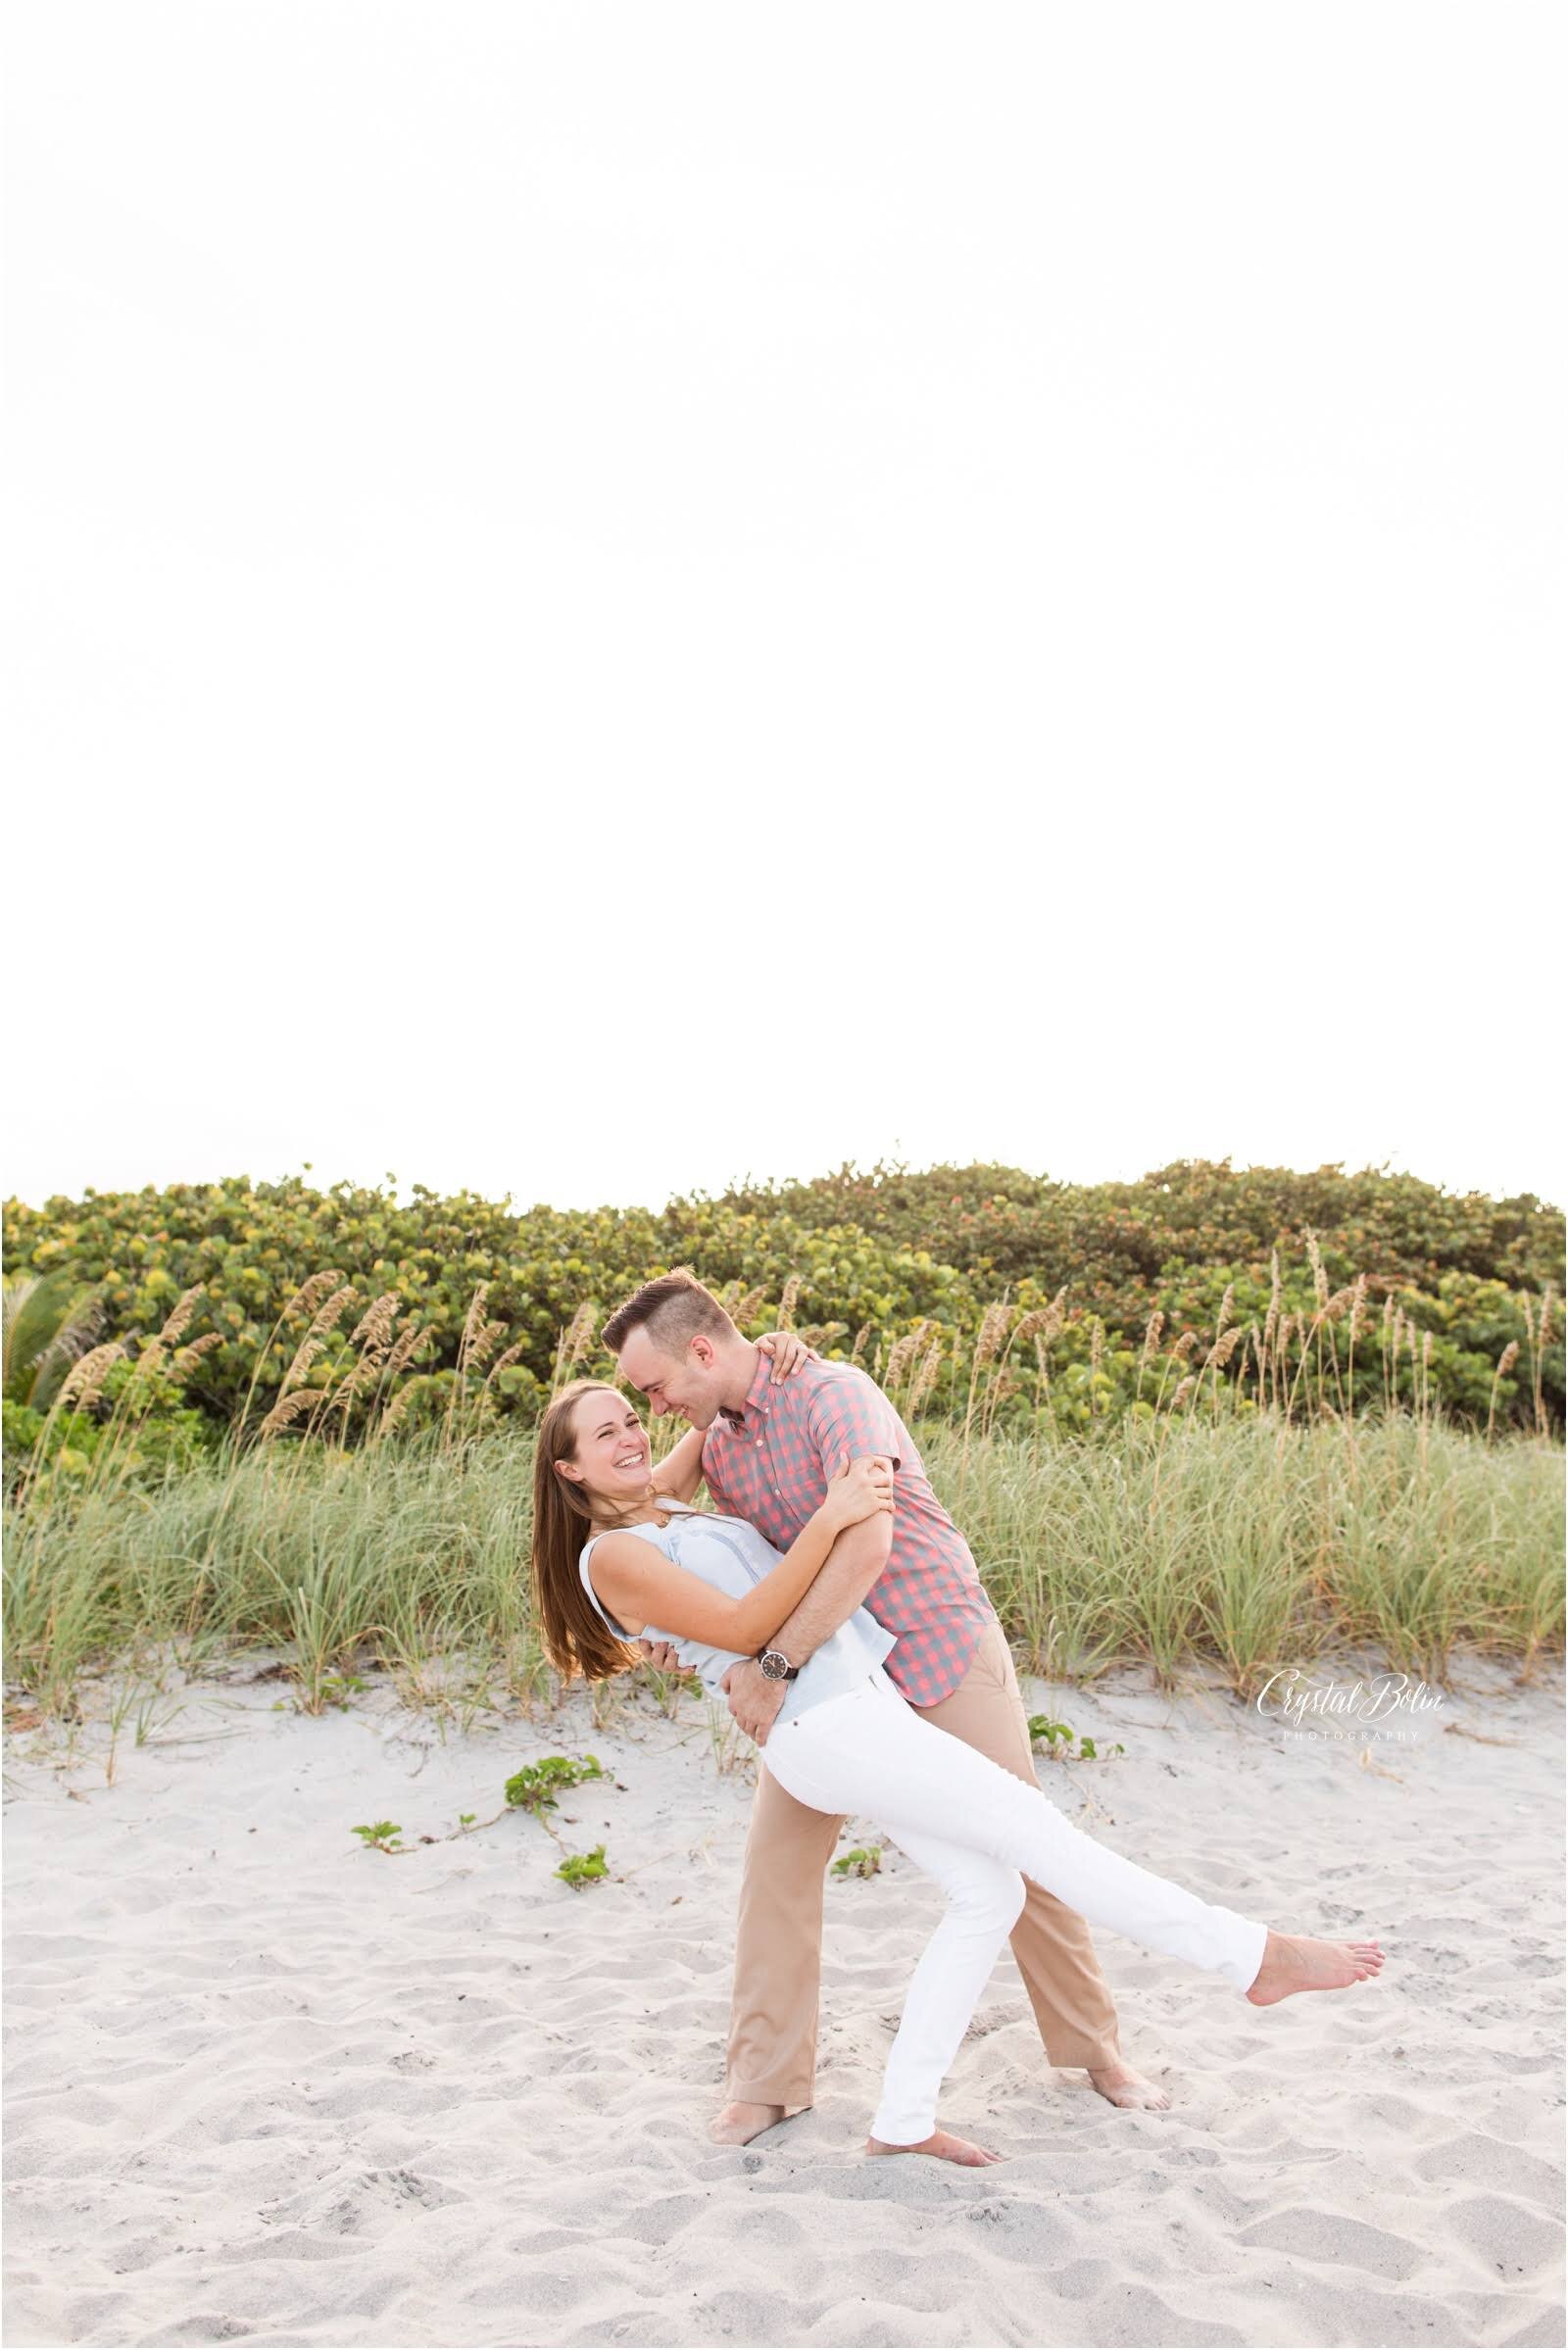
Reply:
x=771 y=1463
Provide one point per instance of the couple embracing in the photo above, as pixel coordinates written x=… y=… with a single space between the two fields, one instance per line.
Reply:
x=829 y=1596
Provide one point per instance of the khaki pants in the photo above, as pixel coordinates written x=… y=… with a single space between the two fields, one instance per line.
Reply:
x=778 y=1955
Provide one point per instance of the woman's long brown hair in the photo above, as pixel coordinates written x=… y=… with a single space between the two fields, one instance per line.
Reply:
x=576 y=1638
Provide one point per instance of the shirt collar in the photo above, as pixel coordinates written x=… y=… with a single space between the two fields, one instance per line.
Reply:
x=756 y=1396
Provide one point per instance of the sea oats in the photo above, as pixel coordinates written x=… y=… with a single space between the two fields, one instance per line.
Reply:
x=1320 y=1280
x=473 y=1319
x=504 y=1362
x=787 y=1303
x=484 y=1344
x=288 y=1408
x=303 y=1355
x=1036 y=1319
x=180 y=1320
x=84 y=1383
x=309 y=1296
x=1271 y=1320
x=992 y=1330
x=395 y=1411
x=354 y=1382
x=926 y=1376
x=406 y=1347
x=333 y=1310
x=904 y=1350
x=576 y=1338
x=1040 y=1324
x=374 y=1325
x=1505 y=1364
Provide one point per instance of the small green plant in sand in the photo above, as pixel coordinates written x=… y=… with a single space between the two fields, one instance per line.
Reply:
x=533 y=1788
x=1057 y=1738
x=582 y=1868
x=380 y=1836
x=341 y=1688
x=865 y=1861
x=536 y=1785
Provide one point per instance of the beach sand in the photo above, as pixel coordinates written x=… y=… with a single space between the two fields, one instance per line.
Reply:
x=266 y=2084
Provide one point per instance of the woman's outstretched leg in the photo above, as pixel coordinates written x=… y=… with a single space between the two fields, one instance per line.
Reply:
x=882 y=1761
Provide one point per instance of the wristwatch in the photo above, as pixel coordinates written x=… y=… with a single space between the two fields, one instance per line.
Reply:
x=776 y=1665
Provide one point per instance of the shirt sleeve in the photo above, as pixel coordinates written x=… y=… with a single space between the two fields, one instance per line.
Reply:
x=853 y=1416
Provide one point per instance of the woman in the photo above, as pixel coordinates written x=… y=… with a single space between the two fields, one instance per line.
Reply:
x=844 y=1742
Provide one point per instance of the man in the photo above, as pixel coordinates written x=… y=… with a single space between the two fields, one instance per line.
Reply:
x=769 y=1451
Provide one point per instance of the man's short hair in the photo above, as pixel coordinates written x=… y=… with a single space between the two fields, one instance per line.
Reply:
x=673 y=1310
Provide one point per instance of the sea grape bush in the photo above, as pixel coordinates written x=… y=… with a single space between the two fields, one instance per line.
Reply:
x=967 y=1290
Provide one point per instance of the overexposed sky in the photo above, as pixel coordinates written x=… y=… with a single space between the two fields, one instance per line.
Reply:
x=604 y=598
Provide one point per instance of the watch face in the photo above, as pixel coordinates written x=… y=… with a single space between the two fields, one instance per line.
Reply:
x=775 y=1666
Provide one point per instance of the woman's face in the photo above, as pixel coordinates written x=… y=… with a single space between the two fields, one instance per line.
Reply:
x=611 y=1456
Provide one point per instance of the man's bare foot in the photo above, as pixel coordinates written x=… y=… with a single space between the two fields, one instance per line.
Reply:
x=1121 y=2085
x=944 y=2146
x=1295 y=1962
x=739 y=2124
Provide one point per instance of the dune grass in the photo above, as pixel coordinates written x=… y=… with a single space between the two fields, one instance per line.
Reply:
x=1242 y=1543
x=1236 y=1544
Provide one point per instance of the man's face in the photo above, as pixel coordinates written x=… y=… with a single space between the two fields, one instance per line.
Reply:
x=689 y=1383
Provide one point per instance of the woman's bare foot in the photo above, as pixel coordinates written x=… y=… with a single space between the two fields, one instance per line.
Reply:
x=740 y=2122
x=1295 y=1962
x=1123 y=2087
x=944 y=2146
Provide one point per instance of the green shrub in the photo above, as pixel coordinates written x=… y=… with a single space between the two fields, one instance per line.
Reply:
x=473 y=1308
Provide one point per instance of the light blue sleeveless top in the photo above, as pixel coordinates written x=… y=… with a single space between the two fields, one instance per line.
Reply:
x=731 y=1555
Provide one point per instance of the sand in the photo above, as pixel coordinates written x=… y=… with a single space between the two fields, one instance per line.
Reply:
x=266 y=2084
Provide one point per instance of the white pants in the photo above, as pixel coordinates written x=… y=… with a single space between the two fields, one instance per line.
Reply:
x=979 y=1832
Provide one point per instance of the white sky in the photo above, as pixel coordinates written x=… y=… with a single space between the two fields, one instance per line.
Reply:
x=605 y=598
